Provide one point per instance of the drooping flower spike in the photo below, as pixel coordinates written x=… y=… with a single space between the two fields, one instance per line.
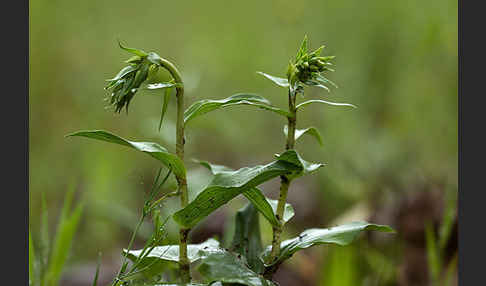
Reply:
x=126 y=83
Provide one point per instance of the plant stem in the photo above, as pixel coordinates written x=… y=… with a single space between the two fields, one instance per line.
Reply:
x=130 y=244
x=181 y=180
x=284 y=180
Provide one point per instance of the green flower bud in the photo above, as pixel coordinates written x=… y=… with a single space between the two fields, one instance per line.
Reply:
x=307 y=68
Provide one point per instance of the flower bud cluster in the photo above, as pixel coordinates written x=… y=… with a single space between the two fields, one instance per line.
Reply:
x=307 y=68
x=127 y=82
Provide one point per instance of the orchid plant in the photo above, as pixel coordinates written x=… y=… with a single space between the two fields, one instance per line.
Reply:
x=246 y=261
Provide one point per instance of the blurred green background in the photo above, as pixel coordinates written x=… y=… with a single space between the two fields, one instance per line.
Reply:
x=393 y=160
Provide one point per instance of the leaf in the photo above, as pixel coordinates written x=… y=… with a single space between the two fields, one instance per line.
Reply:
x=213 y=168
x=247 y=238
x=341 y=235
x=294 y=158
x=433 y=254
x=171 y=252
x=165 y=101
x=315 y=83
x=63 y=241
x=303 y=49
x=277 y=80
x=227 y=267
x=124 y=71
x=207 y=105
x=267 y=207
x=97 y=273
x=312 y=131
x=165 y=104
x=162 y=85
x=153 y=149
x=324 y=80
x=137 y=52
x=256 y=197
x=227 y=185
x=323 y=101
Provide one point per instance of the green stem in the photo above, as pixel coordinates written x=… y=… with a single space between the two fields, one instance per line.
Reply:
x=181 y=180
x=130 y=244
x=284 y=181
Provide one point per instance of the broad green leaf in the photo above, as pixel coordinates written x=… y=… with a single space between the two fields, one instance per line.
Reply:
x=63 y=242
x=323 y=101
x=207 y=105
x=137 y=52
x=171 y=252
x=224 y=187
x=277 y=80
x=294 y=158
x=153 y=149
x=341 y=235
x=227 y=185
x=256 y=197
x=227 y=267
x=247 y=238
x=32 y=270
x=213 y=168
x=312 y=131
x=267 y=207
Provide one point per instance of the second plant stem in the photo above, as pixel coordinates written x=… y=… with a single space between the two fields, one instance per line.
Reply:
x=284 y=180
x=182 y=181
x=184 y=264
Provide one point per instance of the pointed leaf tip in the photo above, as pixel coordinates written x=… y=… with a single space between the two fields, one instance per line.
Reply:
x=132 y=50
x=340 y=235
x=153 y=149
x=325 y=102
x=277 y=80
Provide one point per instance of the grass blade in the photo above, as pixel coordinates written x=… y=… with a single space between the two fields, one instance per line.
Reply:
x=62 y=244
x=98 y=265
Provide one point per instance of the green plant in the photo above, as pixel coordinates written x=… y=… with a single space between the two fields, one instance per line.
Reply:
x=46 y=260
x=247 y=262
x=436 y=243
